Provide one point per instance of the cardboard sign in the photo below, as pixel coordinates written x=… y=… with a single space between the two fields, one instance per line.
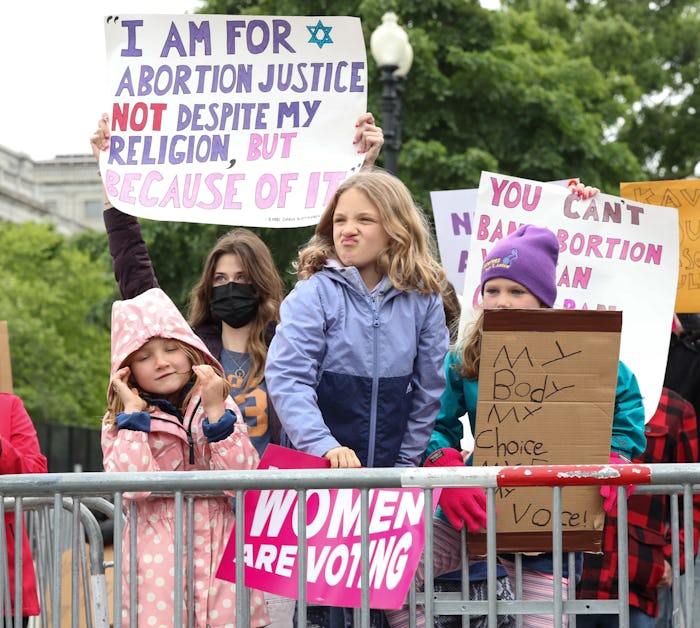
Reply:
x=547 y=382
x=396 y=531
x=235 y=120
x=684 y=195
x=5 y=364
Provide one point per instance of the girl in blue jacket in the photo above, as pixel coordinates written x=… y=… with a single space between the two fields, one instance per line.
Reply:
x=355 y=367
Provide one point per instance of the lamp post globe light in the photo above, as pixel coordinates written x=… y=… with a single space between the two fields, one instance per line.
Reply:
x=393 y=54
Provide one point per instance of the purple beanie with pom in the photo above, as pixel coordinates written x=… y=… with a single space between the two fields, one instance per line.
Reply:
x=528 y=256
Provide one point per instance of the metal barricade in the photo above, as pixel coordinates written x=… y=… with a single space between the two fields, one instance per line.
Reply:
x=58 y=527
x=47 y=497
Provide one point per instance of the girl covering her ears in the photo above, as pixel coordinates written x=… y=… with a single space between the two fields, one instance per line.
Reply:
x=169 y=410
x=518 y=272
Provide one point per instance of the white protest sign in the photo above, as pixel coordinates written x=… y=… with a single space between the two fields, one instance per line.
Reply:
x=237 y=120
x=614 y=254
x=453 y=212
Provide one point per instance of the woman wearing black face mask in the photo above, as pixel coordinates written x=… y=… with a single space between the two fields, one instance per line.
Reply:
x=234 y=308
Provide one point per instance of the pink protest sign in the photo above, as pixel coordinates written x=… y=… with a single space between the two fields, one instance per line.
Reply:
x=396 y=530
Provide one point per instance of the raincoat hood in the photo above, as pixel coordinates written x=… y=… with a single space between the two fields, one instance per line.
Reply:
x=149 y=315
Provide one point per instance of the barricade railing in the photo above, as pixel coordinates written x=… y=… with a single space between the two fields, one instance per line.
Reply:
x=55 y=494
x=56 y=526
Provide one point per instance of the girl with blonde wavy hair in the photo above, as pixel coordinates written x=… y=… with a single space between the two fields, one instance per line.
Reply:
x=408 y=259
x=355 y=367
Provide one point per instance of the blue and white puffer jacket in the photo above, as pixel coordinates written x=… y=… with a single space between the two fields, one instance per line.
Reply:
x=360 y=370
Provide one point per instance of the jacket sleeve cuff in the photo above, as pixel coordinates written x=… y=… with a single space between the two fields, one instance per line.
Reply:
x=223 y=428
x=137 y=421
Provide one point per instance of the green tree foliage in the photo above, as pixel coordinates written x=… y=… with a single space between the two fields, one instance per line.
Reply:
x=56 y=300
x=649 y=51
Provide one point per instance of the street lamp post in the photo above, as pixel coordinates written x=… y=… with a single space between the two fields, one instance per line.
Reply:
x=394 y=55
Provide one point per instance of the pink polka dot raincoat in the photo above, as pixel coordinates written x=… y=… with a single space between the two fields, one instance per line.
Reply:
x=166 y=447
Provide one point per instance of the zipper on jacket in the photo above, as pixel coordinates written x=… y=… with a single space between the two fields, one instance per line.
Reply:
x=375 y=383
x=188 y=430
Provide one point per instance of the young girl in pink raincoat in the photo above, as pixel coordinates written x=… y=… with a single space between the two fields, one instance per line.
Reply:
x=169 y=410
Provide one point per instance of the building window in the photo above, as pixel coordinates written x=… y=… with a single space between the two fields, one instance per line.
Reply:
x=93 y=209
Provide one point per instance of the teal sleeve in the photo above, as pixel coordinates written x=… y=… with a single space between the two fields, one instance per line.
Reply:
x=448 y=430
x=628 y=437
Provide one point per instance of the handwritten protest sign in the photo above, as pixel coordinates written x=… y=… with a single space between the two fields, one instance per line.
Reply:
x=244 y=120
x=396 y=539
x=684 y=195
x=547 y=381
x=613 y=255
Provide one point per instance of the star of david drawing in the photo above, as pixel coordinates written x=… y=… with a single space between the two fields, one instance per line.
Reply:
x=320 y=34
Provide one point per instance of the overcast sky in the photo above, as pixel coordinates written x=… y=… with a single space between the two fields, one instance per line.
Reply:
x=52 y=56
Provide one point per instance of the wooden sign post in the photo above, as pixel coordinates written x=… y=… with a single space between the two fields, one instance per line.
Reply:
x=5 y=364
x=547 y=384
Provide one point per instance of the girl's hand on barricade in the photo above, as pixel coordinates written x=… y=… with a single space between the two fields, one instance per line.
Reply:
x=100 y=140
x=460 y=505
x=369 y=138
x=129 y=396
x=210 y=383
x=581 y=190
x=342 y=458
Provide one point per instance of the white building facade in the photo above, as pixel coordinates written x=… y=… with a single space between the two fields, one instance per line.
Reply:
x=65 y=191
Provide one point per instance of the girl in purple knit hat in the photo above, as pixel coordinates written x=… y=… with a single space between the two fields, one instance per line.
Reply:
x=518 y=272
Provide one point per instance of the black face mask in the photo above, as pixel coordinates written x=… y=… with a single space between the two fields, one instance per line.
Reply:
x=234 y=303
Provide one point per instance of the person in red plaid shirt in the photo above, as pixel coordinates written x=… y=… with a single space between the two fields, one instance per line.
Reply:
x=672 y=436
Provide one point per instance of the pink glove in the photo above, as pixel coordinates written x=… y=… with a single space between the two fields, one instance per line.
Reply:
x=460 y=505
x=609 y=493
